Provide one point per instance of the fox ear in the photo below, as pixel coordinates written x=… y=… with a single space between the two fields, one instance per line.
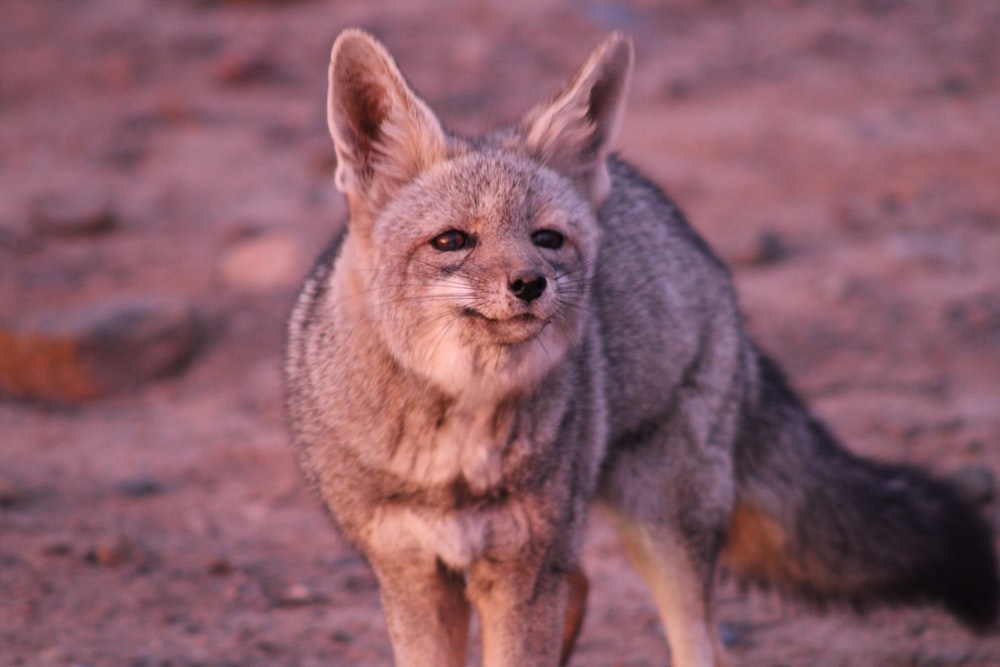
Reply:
x=384 y=135
x=575 y=132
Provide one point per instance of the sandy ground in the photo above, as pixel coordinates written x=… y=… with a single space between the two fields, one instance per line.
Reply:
x=844 y=157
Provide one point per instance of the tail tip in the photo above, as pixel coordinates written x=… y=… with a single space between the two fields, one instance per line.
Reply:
x=970 y=577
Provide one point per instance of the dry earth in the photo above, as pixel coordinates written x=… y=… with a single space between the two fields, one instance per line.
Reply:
x=844 y=157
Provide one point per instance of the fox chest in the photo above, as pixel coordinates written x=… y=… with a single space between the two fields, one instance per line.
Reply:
x=472 y=450
x=463 y=459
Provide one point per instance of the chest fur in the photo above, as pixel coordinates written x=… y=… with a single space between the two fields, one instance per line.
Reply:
x=465 y=453
x=470 y=445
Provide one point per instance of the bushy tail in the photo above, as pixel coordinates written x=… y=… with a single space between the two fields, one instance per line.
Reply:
x=818 y=522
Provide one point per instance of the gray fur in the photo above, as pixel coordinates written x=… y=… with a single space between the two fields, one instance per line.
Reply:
x=457 y=431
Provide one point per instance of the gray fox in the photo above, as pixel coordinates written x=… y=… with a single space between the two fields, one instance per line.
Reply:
x=513 y=326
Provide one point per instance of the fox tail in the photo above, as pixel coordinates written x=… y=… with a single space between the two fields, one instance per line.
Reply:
x=817 y=522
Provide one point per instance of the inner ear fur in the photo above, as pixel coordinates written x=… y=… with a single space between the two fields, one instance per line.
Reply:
x=383 y=134
x=576 y=131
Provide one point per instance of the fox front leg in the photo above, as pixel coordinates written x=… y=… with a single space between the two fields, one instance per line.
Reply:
x=425 y=609
x=682 y=590
x=522 y=611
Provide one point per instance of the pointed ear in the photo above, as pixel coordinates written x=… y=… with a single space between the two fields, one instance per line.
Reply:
x=384 y=135
x=574 y=133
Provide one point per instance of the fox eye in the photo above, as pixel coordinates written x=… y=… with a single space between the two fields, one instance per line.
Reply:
x=548 y=238
x=450 y=241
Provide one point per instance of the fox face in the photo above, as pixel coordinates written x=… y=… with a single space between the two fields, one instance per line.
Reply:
x=475 y=259
x=484 y=262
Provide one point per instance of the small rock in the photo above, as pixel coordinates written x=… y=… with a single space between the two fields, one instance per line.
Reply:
x=11 y=494
x=138 y=487
x=221 y=567
x=280 y=593
x=974 y=446
x=58 y=547
x=212 y=3
x=117 y=551
x=926 y=250
x=730 y=635
x=16 y=240
x=976 y=484
x=771 y=248
x=360 y=583
x=853 y=216
x=679 y=88
x=916 y=627
x=975 y=318
x=956 y=84
x=298 y=594
x=767 y=248
x=836 y=287
x=92 y=352
x=948 y=658
x=269 y=647
x=83 y=213
x=263 y=263
x=240 y=67
x=341 y=637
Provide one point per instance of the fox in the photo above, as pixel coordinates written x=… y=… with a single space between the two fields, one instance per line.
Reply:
x=512 y=328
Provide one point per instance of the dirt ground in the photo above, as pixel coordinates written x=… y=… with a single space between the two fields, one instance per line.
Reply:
x=843 y=157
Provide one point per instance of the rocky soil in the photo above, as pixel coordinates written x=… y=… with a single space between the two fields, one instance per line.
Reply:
x=165 y=179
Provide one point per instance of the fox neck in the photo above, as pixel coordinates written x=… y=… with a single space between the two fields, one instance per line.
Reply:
x=477 y=375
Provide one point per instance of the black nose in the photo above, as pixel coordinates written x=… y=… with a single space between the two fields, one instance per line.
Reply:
x=527 y=286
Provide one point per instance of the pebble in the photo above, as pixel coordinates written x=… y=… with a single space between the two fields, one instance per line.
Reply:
x=264 y=263
x=58 y=547
x=138 y=487
x=245 y=66
x=117 y=551
x=360 y=583
x=926 y=250
x=279 y=593
x=976 y=484
x=220 y=567
x=837 y=287
x=767 y=248
x=730 y=635
x=341 y=637
x=298 y=594
x=948 y=658
x=976 y=317
x=91 y=352
x=11 y=494
x=276 y=3
x=84 y=213
x=770 y=248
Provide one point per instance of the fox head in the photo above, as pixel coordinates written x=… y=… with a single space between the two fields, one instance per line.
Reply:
x=473 y=258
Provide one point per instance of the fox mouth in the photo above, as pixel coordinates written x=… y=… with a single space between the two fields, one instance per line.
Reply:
x=512 y=330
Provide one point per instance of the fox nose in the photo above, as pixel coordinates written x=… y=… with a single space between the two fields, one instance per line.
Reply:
x=527 y=286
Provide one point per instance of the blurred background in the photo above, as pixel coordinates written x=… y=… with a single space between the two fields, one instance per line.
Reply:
x=166 y=180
